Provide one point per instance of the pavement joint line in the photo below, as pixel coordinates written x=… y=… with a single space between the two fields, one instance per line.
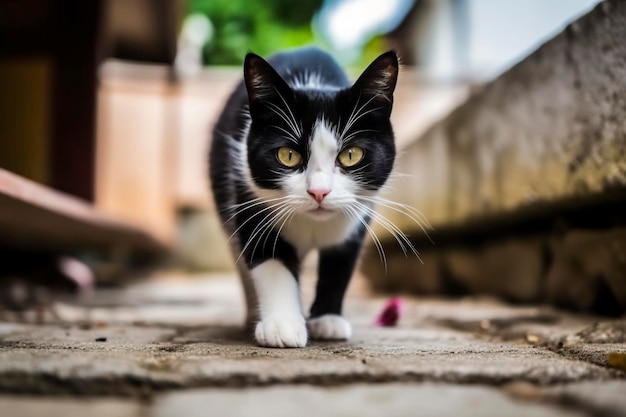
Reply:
x=500 y=330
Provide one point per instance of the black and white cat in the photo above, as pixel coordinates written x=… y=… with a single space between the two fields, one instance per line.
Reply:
x=297 y=158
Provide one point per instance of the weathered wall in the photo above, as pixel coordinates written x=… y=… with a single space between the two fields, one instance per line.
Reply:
x=552 y=127
x=545 y=141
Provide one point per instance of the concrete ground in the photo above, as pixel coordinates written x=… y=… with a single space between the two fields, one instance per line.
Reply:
x=174 y=347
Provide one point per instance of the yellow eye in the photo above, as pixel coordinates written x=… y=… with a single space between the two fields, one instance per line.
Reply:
x=351 y=156
x=289 y=157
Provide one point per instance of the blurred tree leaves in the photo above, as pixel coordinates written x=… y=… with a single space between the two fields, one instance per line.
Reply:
x=259 y=26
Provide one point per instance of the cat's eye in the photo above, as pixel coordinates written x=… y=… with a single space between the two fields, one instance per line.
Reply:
x=351 y=156
x=289 y=157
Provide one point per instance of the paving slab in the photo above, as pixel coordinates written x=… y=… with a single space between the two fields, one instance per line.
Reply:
x=597 y=398
x=147 y=339
x=585 y=338
x=28 y=406
x=398 y=400
x=226 y=357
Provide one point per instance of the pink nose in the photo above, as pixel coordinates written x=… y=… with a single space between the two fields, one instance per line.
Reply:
x=318 y=195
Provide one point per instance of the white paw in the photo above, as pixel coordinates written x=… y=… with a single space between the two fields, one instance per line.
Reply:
x=329 y=327
x=281 y=332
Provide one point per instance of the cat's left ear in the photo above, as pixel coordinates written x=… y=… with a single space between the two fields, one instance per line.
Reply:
x=263 y=82
x=379 y=78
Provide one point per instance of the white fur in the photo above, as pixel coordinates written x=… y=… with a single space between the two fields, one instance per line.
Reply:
x=306 y=233
x=281 y=321
x=309 y=81
x=329 y=327
x=321 y=167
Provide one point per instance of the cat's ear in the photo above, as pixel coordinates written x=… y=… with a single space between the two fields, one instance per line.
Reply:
x=379 y=78
x=263 y=83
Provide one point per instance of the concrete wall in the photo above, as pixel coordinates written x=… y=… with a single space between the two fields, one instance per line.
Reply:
x=545 y=140
x=550 y=128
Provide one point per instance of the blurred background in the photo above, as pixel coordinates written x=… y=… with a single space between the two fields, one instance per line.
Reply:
x=106 y=108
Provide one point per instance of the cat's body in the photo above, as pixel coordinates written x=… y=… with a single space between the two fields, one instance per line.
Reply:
x=297 y=157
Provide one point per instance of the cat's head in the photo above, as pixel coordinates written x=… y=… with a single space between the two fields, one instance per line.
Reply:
x=320 y=150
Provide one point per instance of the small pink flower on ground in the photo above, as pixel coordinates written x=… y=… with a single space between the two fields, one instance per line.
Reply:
x=391 y=313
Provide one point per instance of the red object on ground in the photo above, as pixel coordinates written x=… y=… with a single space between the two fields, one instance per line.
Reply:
x=391 y=313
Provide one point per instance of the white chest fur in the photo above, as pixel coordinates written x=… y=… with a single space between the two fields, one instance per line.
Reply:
x=306 y=233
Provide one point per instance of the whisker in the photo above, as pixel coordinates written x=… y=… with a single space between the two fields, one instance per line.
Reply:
x=400 y=237
x=354 y=116
x=393 y=229
x=249 y=204
x=255 y=215
x=370 y=231
x=290 y=135
x=353 y=134
x=413 y=210
x=365 y=113
x=261 y=226
x=359 y=169
x=280 y=229
x=390 y=227
x=281 y=113
x=408 y=211
x=268 y=226
x=295 y=123
x=348 y=122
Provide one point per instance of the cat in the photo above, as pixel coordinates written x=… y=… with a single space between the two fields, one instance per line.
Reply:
x=298 y=156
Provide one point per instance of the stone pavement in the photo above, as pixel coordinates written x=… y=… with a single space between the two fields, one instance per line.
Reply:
x=171 y=347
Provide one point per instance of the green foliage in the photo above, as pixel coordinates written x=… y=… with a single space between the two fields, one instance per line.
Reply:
x=263 y=27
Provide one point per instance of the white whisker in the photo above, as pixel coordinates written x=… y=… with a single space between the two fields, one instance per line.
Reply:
x=261 y=227
x=355 y=115
x=370 y=231
x=357 y=132
x=280 y=229
x=408 y=211
x=289 y=136
x=255 y=215
x=249 y=204
x=281 y=113
x=267 y=227
x=400 y=237
x=295 y=123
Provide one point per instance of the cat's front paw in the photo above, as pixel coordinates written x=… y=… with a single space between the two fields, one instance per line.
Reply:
x=329 y=327
x=281 y=332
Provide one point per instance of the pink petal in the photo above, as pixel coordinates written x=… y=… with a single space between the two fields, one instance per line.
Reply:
x=391 y=313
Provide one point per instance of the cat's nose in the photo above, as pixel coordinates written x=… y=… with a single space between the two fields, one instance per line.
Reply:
x=318 y=194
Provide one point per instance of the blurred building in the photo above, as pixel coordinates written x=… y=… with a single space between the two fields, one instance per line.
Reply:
x=51 y=54
x=479 y=39
x=106 y=100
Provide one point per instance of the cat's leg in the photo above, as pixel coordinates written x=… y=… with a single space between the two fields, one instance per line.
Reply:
x=281 y=322
x=335 y=270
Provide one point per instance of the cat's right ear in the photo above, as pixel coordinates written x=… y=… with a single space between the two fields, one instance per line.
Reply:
x=380 y=77
x=263 y=83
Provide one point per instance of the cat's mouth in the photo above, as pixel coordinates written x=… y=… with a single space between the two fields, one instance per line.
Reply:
x=321 y=212
x=321 y=209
